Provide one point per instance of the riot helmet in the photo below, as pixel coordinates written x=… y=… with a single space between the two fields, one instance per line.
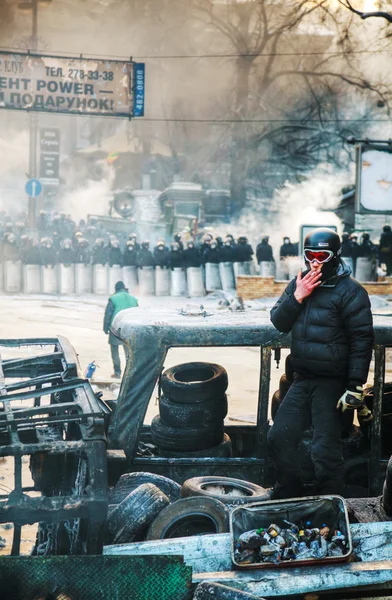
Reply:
x=323 y=246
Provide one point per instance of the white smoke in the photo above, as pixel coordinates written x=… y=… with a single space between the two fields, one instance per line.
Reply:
x=307 y=203
x=92 y=198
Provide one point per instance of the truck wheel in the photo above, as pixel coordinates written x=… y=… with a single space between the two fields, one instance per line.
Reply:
x=225 y=449
x=194 y=382
x=131 y=517
x=190 y=516
x=185 y=439
x=201 y=414
x=225 y=489
x=131 y=481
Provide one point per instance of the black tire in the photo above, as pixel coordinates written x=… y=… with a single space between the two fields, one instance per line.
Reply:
x=196 y=487
x=224 y=449
x=201 y=414
x=209 y=589
x=185 y=439
x=194 y=382
x=284 y=386
x=275 y=403
x=131 y=481
x=131 y=517
x=190 y=516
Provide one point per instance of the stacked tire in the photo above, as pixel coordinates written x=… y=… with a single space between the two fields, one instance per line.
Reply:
x=192 y=408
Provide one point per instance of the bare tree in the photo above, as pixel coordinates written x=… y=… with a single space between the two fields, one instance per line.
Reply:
x=367 y=15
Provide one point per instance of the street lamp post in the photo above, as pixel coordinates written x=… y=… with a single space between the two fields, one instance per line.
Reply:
x=32 y=6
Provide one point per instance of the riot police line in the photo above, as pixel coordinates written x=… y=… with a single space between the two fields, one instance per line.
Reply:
x=73 y=266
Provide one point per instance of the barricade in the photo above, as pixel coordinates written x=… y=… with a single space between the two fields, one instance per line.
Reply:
x=162 y=281
x=12 y=276
x=130 y=279
x=242 y=268
x=213 y=280
x=146 y=277
x=67 y=279
x=195 y=282
x=115 y=274
x=365 y=269
x=83 y=278
x=49 y=279
x=267 y=268
x=226 y=272
x=101 y=280
x=178 y=282
x=31 y=279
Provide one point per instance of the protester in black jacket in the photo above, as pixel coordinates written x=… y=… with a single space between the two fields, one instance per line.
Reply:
x=347 y=247
x=83 y=254
x=211 y=254
x=32 y=255
x=385 y=251
x=67 y=255
x=115 y=256
x=99 y=252
x=287 y=249
x=161 y=255
x=175 y=256
x=329 y=316
x=226 y=253
x=191 y=256
x=48 y=253
x=264 y=252
x=366 y=248
x=130 y=255
x=243 y=251
x=144 y=256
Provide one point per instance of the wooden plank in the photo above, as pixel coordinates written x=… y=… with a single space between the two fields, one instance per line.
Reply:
x=304 y=580
x=207 y=553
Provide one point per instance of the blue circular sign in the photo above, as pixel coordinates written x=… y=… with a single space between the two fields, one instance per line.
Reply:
x=33 y=188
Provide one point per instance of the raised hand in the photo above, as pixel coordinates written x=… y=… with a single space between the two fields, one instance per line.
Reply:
x=306 y=285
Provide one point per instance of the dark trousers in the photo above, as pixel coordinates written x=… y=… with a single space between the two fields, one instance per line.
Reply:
x=309 y=402
x=115 y=352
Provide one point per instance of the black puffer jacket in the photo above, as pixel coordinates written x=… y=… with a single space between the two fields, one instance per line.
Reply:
x=332 y=330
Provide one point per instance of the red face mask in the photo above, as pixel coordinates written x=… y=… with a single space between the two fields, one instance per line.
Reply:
x=320 y=256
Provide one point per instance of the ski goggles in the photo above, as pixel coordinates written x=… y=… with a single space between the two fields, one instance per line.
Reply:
x=320 y=256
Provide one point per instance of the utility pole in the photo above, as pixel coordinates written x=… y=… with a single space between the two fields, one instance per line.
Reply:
x=33 y=123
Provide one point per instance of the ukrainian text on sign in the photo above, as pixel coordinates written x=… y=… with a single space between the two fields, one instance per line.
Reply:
x=70 y=85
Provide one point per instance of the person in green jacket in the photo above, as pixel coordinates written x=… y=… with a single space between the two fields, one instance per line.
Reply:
x=120 y=300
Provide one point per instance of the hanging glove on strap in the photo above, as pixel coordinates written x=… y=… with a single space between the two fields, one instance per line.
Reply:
x=351 y=399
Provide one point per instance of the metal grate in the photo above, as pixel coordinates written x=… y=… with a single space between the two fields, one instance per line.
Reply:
x=95 y=578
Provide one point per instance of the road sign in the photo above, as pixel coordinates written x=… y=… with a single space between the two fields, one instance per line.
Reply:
x=33 y=188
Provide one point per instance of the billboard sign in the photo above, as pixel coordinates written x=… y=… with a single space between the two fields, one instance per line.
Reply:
x=56 y=84
x=373 y=180
x=139 y=85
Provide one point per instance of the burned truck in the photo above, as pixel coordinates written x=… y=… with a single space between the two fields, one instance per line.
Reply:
x=104 y=481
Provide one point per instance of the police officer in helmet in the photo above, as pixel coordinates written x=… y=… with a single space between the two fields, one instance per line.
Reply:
x=329 y=316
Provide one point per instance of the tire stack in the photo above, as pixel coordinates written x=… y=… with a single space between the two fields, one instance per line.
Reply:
x=192 y=408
